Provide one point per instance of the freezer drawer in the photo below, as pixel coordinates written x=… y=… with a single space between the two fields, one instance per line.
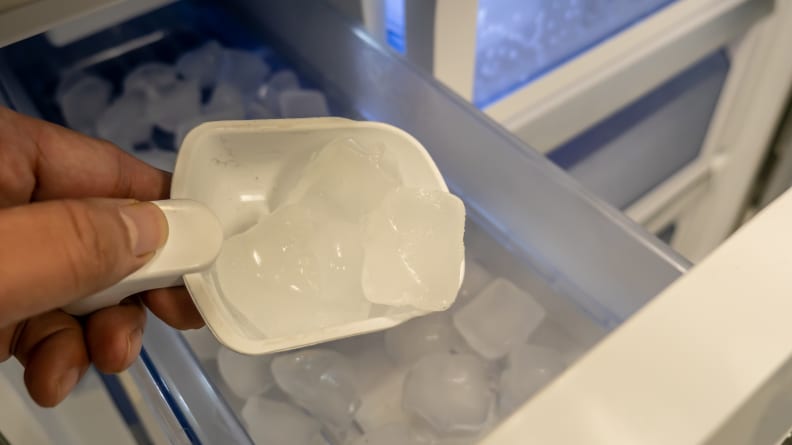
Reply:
x=587 y=265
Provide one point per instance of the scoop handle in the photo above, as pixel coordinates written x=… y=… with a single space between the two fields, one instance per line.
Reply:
x=194 y=241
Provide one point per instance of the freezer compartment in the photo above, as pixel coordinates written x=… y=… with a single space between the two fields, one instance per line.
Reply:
x=519 y=41
x=538 y=232
x=628 y=154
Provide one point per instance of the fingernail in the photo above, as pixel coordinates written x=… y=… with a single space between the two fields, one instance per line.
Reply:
x=67 y=382
x=146 y=225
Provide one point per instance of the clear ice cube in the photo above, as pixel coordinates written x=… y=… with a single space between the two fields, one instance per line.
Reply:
x=201 y=64
x=413 y=249
x=321 y=381
x=171 y=106
x=226 y=98
x=203 y=344
x=245 y=375
x=281 y=81
x=530 y=368
x=152 y=79
x=345 y=179
x=270 y=422
x=450 y=392
x=257 y=109
x=381 y=403
x=476 y=278
x=422 y=336
x=83 y=98
x=245 y=70
x=392 y=434
x=125 y=122
x=499 y=319
x=302 y=103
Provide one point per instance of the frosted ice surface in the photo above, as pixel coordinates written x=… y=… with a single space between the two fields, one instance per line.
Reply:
x=381 y=403
x=270 y=422
x=476 y=278
x=281 y=81
x=392 y=434
x=226 y=100
x=246 y=375
x=243 y=69
x=334 y=178
x=151 y=78
x=320 y=380
x=202 y=343
x=339 y=252
x=501 y=317
x=302 y=103
x=201 y=64
x=83 y=98
x=125 y=122
x=450 y=392
x=272 y=276
x=413 y=249
x=422 y=336
x=158 y=158
x=171 y=106
x=530 y=368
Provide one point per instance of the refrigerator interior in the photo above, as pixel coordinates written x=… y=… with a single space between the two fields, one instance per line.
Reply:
x=513 y=48
x=581 y=260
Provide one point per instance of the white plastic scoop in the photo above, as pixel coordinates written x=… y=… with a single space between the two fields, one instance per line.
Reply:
x=227 y=175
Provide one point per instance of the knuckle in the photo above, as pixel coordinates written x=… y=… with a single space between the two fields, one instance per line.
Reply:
x=88 y=254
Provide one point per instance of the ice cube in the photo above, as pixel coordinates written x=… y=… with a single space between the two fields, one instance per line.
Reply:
x=302 y=103
x=551 y=335
x=381 y=403
x=152 y=79
x=186 y=125
x=339 y=252
x=125 y=122
x=392 y=434
x=499 y=319
x=476 y=278
x=413 y=249
x=180 y=101
x=345 y=179
x=422 y=336
x=271 y=422
x=243 y=69
x=530 y=368
x=203 y=344
x=246 y=375
x=321 y=381
x=202 y=64
x=226 y=100
x=450 y=392
x=83 y=98
x=257 y=109
x=281 y=81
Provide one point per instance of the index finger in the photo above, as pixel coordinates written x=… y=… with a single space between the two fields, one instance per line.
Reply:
x=71 y=165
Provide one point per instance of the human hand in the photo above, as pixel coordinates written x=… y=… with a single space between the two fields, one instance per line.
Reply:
x=71 y=224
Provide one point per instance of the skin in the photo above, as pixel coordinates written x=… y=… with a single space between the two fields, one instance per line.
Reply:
x=63 y=236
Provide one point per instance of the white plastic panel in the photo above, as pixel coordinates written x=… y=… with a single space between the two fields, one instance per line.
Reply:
x=707 y=362
x=28 y=18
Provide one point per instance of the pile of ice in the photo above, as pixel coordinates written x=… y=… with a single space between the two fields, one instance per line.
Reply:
x=515 y=45
x=442 y=379
x=348 y=241
x=205 y=84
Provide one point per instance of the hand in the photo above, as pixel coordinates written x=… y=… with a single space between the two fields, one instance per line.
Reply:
x=71 y=224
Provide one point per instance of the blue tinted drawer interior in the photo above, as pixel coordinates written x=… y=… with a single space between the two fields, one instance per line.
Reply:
x=519 y=41
x=628 y=154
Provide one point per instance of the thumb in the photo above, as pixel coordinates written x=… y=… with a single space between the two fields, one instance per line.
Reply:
x=53 y=253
